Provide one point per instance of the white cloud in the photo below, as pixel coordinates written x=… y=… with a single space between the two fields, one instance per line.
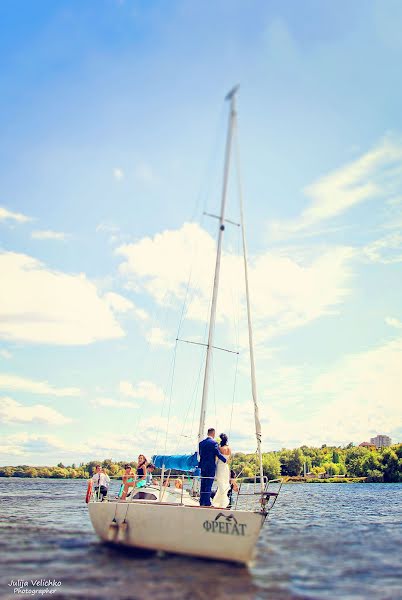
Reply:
x=362 y=392
x=5 y=354
x=393 y=322
x=112 y=403
x=49 y=235
x=36 y=449
x=161 y=265
x=12 y=411
x=14 y=382
x=115 y=234
x=27 y=444
x=128 y=445
x=118 y=173
x=353 y=399
x=286 y=291
x=46 y=306
x=8 y=215
x=146 y=390
x=120 y=304
x=375 y=174
x=107 y=228
x=158 y=337
x=387 y=250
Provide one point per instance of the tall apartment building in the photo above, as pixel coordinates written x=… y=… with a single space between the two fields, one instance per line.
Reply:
x=381 y=441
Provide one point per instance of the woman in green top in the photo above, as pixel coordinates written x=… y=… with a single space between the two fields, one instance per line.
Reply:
x=139 y=479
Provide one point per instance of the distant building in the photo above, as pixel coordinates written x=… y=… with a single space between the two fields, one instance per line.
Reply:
x=367 y=445
x=381 y=441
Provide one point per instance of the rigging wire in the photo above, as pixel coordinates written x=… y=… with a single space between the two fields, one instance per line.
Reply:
x=157 y=322
x=213 y=382
x=233 y=397
x=170 y=397
x=237 y=312
x=193 y=397
x=171 y=372
x=190 y=293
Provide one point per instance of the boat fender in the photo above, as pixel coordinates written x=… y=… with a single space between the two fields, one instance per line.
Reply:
x=89 y=491
x=122 y=532
x=112 y=531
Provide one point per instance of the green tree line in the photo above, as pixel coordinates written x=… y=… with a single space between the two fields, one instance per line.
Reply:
x=377 y=465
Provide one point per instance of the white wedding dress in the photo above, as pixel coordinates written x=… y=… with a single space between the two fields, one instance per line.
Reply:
x=222 y=476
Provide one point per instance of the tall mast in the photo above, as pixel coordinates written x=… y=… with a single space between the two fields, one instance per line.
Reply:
x=231 y=97
x=250 y=328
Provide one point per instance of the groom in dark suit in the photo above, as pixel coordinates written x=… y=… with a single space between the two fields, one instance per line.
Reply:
x=208 y=451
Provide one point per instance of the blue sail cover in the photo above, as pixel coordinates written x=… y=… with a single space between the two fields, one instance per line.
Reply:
x=180 y=462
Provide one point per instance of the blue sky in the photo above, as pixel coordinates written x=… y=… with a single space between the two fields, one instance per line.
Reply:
x=113 y=125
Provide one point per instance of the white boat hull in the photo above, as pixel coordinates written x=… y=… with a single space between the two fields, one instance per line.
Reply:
x=221 y=534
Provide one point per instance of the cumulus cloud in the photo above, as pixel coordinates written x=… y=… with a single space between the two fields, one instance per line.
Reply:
x=363 y=394
x=146 y=390
x=120 y=304
x=37 y=448
x=158 y=337
x=12 y=411
x=46 y=306
x=289 y=292
x=31 y=444
x=162 y=264
x=115 y=235
x=49 y=235
x=112 y=403
x=386 y=250
x=376 y=174
x=286 y=291
x=14 y=382
x=393 y=322
x=8 y=215
x=351 y=399
x=355 y=398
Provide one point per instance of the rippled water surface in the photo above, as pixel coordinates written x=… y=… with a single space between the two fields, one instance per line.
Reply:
x=325 y=541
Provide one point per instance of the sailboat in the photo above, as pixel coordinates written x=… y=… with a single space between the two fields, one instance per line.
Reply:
x=172 y=520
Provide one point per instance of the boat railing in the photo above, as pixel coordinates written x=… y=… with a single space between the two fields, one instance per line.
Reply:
x=246 y=493
x=252 y=496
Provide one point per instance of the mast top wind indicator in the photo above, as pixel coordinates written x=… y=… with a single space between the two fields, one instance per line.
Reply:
x=232 y=92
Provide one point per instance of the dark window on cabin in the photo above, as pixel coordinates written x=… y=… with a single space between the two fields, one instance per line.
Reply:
x=144 y=496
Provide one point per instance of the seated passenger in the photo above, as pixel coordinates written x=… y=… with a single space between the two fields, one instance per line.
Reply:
x=178 y=484
x=150 y=470
x=128 y=481
x=101 y=482
x=139 y=479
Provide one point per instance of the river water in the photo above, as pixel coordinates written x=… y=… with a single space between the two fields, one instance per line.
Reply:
x=321 y=541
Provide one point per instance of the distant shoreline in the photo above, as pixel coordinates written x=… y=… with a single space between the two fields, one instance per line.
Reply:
x=328 y=464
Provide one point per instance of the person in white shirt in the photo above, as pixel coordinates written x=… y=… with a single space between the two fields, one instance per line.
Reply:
x=150 y=470
x=101 y=482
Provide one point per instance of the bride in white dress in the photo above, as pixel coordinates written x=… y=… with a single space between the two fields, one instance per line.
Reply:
x=222 y=475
